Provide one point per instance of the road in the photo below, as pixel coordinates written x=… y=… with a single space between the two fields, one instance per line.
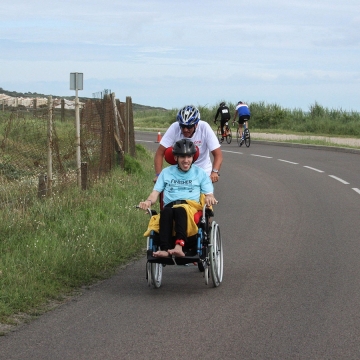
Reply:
x=289 y=220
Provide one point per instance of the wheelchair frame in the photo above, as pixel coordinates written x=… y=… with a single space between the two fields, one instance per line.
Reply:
x=207 y=252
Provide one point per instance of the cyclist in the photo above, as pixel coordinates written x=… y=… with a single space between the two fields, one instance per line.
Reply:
x=182 y=185
x=189 y=125
x=224 y=113
x=243 y=111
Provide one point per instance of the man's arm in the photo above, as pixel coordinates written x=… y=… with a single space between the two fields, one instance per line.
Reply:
x=158 y=160
x=217 y=114
x=218 y=158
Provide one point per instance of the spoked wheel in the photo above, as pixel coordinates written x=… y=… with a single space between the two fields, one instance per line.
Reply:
x=219 y=133
x=247 y=137
x=216 y=255
x=229 y=135
x=238 y=138
x=154 y=274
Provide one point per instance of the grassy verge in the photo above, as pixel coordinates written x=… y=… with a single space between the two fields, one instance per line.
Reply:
x=56 y=245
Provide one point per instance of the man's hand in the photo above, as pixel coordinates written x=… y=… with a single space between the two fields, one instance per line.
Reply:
x=214 y=177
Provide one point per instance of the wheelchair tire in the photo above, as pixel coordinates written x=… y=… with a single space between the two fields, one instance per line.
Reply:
x=156 y=274
x=206 y=275
x=216 y=255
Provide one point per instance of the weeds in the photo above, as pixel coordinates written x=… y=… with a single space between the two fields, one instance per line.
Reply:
x=60 y=243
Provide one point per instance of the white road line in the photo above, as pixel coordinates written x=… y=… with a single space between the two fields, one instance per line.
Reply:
x=289 y=162
x=145 y=141
x=232 y=152
x=357 y=190
x=338 y=179
x=311 y=168
x=262 y=156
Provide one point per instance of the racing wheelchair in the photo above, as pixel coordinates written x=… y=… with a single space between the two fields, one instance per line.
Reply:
x=204 y=249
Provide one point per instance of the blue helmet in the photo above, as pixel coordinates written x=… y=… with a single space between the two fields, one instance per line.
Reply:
x=188 y=115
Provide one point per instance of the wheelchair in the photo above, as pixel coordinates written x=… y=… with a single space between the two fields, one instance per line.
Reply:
x=204 y=249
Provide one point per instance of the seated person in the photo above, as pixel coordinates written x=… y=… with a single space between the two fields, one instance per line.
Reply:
x=182 y=185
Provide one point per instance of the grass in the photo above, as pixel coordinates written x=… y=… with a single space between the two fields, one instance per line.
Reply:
x=270 y=118
x=56 y=245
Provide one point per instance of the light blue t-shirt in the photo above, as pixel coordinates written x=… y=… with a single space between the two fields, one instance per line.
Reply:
x=179 y=185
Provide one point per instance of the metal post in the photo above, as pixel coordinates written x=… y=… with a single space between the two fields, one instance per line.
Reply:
x=78 y=152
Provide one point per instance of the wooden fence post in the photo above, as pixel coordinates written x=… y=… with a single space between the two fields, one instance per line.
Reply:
x=62 y=110
x=42 y=186
x=84 y=175
x=50 y=140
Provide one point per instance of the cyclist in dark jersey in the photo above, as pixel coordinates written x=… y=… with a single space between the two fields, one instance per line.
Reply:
x=224 y=113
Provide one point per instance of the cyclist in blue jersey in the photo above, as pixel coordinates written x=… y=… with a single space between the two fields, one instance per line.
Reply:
x=243 y=111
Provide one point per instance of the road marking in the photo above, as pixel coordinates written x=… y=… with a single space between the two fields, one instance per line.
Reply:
x=232 y=152
x=338 y=179
x=289 y=162
x=262 y=156
x=311 y=168
x=357 y=190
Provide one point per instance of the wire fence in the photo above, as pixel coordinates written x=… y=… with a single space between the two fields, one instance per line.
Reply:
x=38 y=150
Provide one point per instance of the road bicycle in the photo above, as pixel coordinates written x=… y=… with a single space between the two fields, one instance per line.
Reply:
x=227 y=134
x=245 y=138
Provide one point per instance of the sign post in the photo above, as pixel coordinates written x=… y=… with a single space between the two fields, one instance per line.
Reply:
x=76 y=83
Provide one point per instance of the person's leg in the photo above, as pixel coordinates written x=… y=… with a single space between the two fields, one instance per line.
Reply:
x=165 y=234
x=180 y=219
x=222 y=130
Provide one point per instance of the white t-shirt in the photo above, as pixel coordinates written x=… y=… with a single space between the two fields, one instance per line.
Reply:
x=204 y=138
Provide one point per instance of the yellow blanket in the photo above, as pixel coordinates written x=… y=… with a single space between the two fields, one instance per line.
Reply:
x=192 y=207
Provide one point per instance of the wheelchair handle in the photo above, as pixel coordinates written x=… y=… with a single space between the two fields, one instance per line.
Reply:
x=148 y=210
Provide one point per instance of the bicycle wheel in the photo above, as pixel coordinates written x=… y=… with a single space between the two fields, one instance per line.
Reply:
x=228 y=135
x=219 y=133
x=238 y=138
x=247 y=137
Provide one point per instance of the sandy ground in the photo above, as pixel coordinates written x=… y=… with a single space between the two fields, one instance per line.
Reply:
x=284 y=137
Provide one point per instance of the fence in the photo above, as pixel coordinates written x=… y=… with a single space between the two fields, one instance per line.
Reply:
x=38 y=151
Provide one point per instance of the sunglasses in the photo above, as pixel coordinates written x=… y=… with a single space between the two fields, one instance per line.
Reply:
x=186 y=126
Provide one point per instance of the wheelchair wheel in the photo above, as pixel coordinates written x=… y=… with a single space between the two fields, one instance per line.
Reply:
x=216 y=255
x=206 y=275
x=247 y=137
x=154 y=274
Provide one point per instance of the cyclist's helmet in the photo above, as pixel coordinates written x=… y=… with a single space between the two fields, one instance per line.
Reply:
x=184 y=147
x=240 y=102
x=222 y=104
x=188 y=115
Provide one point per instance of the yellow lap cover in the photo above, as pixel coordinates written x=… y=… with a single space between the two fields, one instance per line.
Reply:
x=192 y=207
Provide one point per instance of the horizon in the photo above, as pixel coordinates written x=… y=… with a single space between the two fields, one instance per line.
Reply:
x=293 y=54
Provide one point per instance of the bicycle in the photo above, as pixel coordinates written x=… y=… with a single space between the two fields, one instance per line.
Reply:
x=227 y=134
x=245 y=138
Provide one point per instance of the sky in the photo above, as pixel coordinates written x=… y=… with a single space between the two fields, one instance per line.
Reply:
x=171 y=53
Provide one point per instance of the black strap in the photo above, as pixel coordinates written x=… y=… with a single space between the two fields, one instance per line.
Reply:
x=177 y=202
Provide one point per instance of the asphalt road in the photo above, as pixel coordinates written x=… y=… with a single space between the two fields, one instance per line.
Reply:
x=289 y=219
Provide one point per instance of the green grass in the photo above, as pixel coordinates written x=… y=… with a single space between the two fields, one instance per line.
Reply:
x=55 y=245
x=270 y=118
